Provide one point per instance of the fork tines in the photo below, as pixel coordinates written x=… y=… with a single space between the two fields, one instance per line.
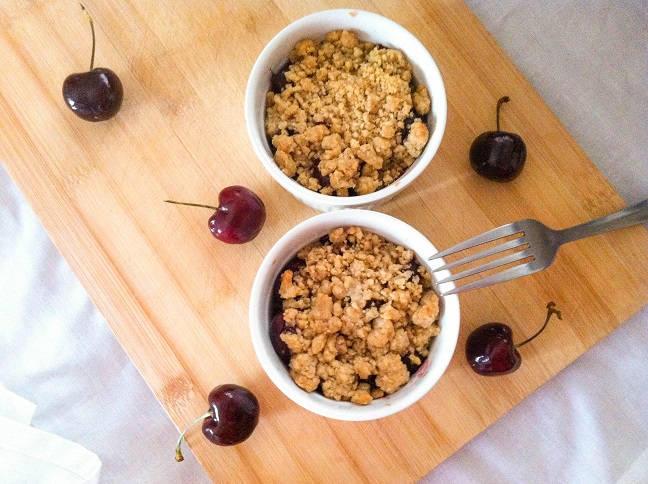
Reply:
x=510 y=230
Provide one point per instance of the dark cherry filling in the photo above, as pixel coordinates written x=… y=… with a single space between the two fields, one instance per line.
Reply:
x=412 y=367
x=278 y=79
x=272 y=147
x=277 y=328
x=371 y=380
x=324 y=180
x=409 y=121
x=278 y=324
x=374 y=303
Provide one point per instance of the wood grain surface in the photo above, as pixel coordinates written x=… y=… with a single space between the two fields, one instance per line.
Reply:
x=177 y=299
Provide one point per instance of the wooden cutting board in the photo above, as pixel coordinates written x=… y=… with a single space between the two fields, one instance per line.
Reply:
x=177 y=299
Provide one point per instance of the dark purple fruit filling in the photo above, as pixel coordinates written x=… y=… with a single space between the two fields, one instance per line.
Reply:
x=278 y=79
x=371 y=380
x=277 y=328
x=278 y=324
x=374 y=303
x=323 y=180
x=411 y=366
x=409 y=121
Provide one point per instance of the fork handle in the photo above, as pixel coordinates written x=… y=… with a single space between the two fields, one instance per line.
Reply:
x=633 y=215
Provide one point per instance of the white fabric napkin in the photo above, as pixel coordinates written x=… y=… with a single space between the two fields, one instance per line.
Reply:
x=32 y=456
x=15 y=407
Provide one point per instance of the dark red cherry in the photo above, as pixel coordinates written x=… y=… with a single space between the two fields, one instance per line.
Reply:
x=234 y=414
x=498 y=155
x=95 y=95
x=232 y=417
x=490 y=349
x=239 y=217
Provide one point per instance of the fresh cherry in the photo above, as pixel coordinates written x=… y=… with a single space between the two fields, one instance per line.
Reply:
x=490 y=350
x=498 y=155
x=95 y=95
x=232 y=417
x=239 y=217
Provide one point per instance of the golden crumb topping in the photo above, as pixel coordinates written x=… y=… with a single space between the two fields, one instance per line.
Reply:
x=361 y=313
x=347 y=120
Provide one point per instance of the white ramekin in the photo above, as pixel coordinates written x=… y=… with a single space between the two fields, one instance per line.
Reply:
x=392 y=229
x=370 y=27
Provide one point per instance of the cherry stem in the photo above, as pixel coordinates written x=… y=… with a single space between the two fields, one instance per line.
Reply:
x=551 y=309
x=191 y=204
x=179 y=457
x=501 y=101
x=93 y=35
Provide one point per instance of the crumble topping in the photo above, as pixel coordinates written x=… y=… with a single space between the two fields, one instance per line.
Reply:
x=359 y=315
x=344 y=116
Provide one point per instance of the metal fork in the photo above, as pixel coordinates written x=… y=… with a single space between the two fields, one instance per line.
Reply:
x=538 y=245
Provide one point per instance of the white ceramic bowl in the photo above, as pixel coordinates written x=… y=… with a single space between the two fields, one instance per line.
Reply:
x=369 y=27
x=392 y=229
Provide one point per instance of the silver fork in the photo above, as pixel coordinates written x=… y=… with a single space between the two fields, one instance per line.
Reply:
x=539 y=245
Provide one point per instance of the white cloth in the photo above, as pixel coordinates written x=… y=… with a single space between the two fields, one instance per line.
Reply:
x=15 y=407
x=57 y=351
x=589 y=61
x=30 y=455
